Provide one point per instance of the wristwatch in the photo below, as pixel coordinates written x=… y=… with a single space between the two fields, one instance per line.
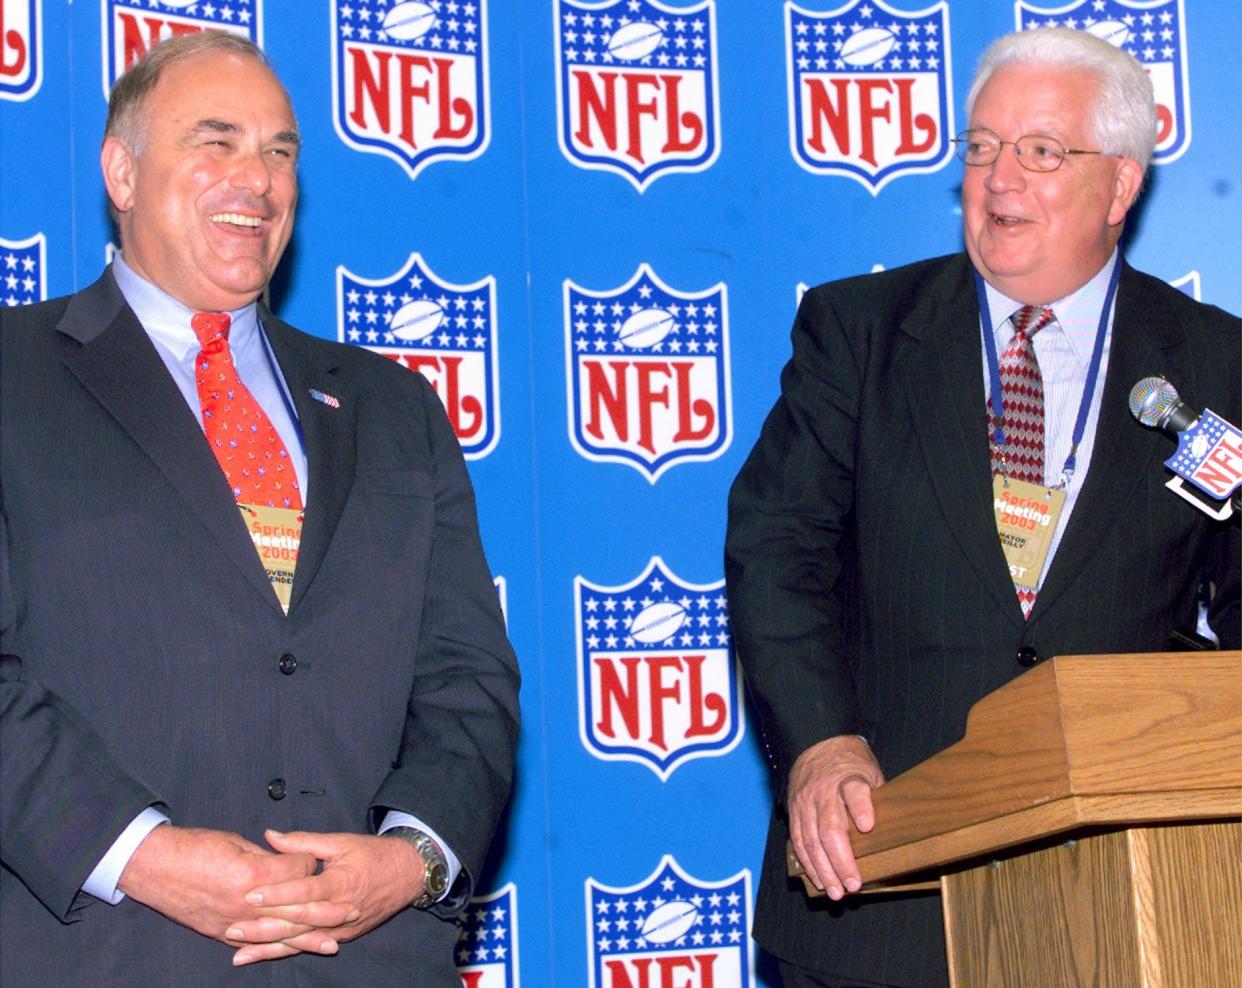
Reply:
x=435 y=868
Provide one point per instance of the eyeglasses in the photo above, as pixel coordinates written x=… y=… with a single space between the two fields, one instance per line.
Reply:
x=1035 y=152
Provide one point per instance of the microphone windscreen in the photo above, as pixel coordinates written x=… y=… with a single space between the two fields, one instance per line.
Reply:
x=1152 y=401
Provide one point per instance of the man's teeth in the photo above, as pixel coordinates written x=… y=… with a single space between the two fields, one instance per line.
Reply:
x=236 y=218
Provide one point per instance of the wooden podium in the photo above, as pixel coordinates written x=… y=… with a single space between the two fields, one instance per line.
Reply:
x=1086 y=829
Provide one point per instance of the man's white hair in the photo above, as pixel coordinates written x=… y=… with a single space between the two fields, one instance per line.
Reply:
x=1123 y=116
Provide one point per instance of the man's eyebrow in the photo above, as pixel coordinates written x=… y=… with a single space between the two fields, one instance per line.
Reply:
x=214 y=126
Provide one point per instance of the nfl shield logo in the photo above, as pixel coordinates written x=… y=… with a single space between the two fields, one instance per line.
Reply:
x=487 y=941
x=1209 y=455
x=131 y=28
x=695 y=934
x=447 y=332
x=23 y=271
x=1155 y=34
x=636 y=87
x=409 y=79
x=648 y=373
x=870 y=90
x=658 y=682
x=21 y=49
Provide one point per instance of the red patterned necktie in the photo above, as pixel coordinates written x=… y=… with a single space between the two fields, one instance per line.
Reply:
x=246 y=444
x=1022 y=403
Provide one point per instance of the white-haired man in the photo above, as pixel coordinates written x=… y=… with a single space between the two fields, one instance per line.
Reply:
x=871 y=598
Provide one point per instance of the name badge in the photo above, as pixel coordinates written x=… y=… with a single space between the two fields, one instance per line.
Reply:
x=277 y=535
x=1026 y=517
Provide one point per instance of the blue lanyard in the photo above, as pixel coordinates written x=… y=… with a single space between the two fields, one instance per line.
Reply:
x=1093 y=372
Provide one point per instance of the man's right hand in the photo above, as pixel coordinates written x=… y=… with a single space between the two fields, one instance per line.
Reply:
x=830 y=786
x=199 y=878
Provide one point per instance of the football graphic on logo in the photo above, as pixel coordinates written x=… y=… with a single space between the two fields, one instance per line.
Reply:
x=634 y=41
x=658 y=623
x=416 y=320
x=1114 y=32
x=868 y=46
x=669 y=922
x=646 y=328
x=408 y=21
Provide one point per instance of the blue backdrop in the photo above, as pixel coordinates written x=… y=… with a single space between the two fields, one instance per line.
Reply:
x=588 y=224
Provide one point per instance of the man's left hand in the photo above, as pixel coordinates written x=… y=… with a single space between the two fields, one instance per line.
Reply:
x=379 y=876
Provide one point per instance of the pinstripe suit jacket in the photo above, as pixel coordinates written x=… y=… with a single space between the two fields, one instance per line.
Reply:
x=142 y=644
x=867 y=587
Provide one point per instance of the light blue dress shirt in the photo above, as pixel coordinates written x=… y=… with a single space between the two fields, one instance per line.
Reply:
x=167 y=324
x=1063 y=349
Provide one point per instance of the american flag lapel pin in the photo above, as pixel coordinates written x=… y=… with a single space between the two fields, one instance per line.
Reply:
x=332 y=401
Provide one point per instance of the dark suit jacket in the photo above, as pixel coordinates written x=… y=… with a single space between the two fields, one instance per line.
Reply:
x=867 y=587
x=142 y=644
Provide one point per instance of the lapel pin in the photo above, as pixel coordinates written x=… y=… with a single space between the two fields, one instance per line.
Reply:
x=330 y=400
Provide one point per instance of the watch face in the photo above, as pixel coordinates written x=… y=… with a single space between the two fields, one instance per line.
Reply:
x=437 y=879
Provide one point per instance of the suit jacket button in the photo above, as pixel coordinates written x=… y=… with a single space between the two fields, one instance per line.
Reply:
x=1027 y=656
x=276 y=789
x=288 y=664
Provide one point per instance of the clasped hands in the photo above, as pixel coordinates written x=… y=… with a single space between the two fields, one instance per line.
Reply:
x=271 y=904
x=829 y=788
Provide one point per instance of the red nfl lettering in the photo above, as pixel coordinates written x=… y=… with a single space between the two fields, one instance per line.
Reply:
x=139 y=38
x=1221 y=472
x=14 y=48
x=424 y=87
x=613 y=415
x=670 y=971
x=648 y=96
x=651 y=693
x=859 y=106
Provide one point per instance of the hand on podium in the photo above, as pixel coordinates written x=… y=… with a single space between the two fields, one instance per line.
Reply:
x=830 y=787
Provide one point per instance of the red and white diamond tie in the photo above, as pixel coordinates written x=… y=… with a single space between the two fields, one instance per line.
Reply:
x=1022 y=403
x=246 y=444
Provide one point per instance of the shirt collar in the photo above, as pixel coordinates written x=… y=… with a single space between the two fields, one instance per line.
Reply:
x=1078 y=313
x=167 y=321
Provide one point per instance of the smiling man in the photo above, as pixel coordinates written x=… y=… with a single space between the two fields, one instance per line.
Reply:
x=256 y=698
x=876 y=586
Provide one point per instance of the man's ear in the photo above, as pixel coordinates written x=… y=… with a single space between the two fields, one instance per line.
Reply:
x=1127 y=183
x=119 y=167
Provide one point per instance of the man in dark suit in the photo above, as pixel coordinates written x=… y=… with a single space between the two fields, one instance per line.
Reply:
x=871 y=600
x=296 y=755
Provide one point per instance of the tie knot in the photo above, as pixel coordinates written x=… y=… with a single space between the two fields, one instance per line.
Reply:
x=1030 y=319
x=209 y=326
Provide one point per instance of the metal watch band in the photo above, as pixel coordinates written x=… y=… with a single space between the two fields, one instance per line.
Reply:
x=435 y=867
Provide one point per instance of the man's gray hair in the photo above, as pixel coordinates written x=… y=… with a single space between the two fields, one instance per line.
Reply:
x=1123 y=116
x=125 y=104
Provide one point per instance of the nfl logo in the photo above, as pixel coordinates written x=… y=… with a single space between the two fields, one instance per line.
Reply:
x=23 y=270
x=1155 y=34
x=21 y=49
x=409 y=79
x=670 y=929
x=131 y=28
x=648 y=372
x=658 y=683
x=447 y=332
x=487 y=941
x=1209 y=455
x=870 y=90
x=636 y=87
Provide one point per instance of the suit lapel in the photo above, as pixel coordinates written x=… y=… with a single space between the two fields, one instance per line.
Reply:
x=1124 y=452
x=941 y=370
x=115 y=360
x=327 y=438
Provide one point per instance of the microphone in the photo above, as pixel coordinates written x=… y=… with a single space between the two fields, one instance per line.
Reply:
x=1209 y=449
